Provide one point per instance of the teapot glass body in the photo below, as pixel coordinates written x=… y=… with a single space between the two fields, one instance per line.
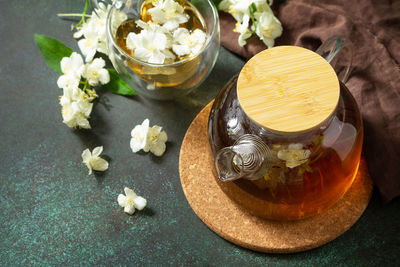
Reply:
x=294 y=175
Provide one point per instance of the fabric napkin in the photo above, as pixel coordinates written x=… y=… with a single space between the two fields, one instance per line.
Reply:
x=374 y=29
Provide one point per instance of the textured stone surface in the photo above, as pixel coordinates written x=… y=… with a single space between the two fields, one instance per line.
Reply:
x=53 y=213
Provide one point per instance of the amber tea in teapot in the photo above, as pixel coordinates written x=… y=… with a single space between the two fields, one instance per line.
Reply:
x=287 y=131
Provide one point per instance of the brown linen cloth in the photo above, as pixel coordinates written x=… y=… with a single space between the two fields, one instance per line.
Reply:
x=374 y=29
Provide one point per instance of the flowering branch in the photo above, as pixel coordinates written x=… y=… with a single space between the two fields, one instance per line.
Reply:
x=263 y=22
x=83 y=15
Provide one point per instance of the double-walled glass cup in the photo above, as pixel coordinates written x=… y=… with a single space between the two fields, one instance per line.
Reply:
x=164 y=81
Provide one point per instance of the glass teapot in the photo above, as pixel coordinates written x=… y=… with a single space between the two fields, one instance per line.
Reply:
x=168 y=80
x=287 y=131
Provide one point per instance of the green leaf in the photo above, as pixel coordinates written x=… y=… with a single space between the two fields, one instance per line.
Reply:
x=52 y=51
x=117 y=85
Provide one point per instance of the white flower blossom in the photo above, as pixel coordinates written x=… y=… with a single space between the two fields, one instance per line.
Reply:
x=149 y=139
x=99 y=19
x=95 y=26
x=130 y=201
x=243 y=30
x=149 y=46
x=89 y=44
x=239 y=8
x=72 y=67
x=188 y=43
x=294 y=155
x=156 y=140
x=268 y=27
x=76 y=108
x=95 y=72
x=68 y=82
x=93 y=161
x=264 y=23
x=73 y=117
x=139 y=136
x=241 y=12
x=154 y=27
x=169 y=13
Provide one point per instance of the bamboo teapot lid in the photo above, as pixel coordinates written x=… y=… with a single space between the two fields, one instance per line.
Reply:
x=288 y=89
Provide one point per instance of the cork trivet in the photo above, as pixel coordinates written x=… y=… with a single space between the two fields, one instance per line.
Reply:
x=230 y=221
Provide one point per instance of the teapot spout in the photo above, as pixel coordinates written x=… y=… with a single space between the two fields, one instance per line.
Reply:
x=229 y=164
x=248 y=158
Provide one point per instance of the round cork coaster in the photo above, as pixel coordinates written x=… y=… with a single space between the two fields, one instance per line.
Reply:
x=222 y=215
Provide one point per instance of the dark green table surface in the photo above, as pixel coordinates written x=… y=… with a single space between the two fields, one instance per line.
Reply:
x=52 y=212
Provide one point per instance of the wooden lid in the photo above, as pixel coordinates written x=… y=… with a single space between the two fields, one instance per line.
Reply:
x=288 y=89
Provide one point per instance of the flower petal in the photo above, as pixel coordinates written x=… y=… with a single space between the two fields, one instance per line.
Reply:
x=67 y=81
x=104 y=76
x=296 y=146
x=98 y=63
x=129 y=208
x=83 y=123
x=78 y=34
x=157 y=57
x=181 y=50
x=130 y=41
x=129 y=193
x=139 y=136
x=90 y=55
x=160 y=41
x=86 y=155
x=140 y=202
x=181 y=34
x=121 y=200
x=142 y=53
x=171 y=25
x=157 y=15
x=97 y=151
x=168 y=55
x=146 y=124
x=158 y=149
x=136 y=145
x=86 y=108
x=163 y=137
x=90 y=169
x=99 y=164
x=181 y=18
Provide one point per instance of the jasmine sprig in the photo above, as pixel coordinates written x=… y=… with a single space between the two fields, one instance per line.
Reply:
x=83 y=15
x=53 y=51
x=263 y=22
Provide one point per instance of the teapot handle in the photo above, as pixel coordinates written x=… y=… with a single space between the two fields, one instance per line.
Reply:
x=331 y=49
